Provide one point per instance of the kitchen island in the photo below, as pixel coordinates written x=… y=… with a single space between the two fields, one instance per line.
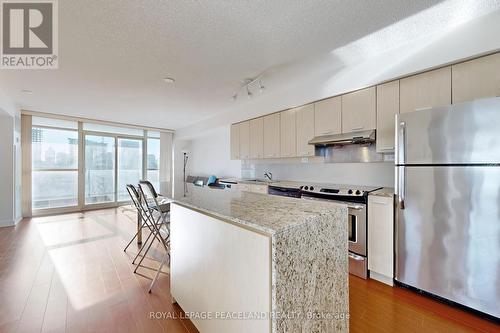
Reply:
x=249 y=262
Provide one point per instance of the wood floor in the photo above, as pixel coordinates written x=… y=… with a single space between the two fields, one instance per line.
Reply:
x=68 y=273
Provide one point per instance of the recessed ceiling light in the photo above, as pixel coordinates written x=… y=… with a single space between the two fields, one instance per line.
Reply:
x=169 y=80
x=26 y=91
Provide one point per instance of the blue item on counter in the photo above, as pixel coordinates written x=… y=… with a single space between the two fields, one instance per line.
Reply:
x=212 y=180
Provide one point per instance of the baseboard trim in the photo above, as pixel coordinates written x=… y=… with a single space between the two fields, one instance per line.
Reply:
x=382 y=278
x=6 y=223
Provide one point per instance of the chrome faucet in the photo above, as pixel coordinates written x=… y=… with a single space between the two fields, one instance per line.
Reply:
x=269 y=176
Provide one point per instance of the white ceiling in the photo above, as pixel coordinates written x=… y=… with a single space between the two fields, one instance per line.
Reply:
x=114 y=54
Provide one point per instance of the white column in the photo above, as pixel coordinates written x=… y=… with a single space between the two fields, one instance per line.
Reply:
x=166 y=163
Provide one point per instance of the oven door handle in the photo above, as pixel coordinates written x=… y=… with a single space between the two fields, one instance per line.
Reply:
x=356 y=257
x=355 y=207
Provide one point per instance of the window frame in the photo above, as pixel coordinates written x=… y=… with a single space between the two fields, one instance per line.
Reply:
x=82 y=206
x=159 y=162
x=42 y=211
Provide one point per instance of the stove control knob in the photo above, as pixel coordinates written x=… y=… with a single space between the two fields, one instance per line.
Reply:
x=311 y=188
x=301 y=187
x=349 y=192
x=358 y=192
x=306 y=188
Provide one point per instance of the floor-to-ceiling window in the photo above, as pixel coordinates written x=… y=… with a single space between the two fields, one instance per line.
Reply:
x=54 y=163
x=111 y=157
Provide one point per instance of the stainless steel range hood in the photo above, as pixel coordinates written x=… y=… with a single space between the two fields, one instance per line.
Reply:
x=344 y=139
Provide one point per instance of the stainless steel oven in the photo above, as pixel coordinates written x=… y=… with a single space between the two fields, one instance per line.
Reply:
x=356 y=201
x=358 y=263
x=357 y=228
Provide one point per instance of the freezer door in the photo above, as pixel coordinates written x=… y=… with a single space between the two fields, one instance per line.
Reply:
x=466 y=133
x=448 y=233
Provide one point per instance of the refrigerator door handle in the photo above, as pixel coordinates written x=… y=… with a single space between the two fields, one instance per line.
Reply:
x=401 y=143
x=401 y=186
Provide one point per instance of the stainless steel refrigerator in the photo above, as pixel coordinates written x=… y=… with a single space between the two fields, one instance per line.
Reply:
x=448 y=203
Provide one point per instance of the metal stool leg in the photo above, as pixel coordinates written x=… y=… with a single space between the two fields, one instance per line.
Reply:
x=167 y=256
x=157 y=236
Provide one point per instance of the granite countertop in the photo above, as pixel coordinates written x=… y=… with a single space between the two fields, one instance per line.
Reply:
x=267 y=213
x=245 y=181
x=280 y=183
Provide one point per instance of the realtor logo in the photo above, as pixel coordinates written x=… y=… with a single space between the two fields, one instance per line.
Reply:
x=29 y=34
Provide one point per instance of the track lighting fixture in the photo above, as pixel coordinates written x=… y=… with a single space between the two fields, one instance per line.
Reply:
x=250 y=85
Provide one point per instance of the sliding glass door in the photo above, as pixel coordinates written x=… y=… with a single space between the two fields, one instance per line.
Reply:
x=129 y=165
x=111 y=162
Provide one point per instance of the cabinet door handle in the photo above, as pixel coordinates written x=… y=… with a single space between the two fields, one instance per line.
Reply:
x=357 y=128
x=423 y=108
x=377 y=203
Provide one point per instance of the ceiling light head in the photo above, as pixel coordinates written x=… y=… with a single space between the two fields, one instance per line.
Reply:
x=235 y=96
x=261 y=86
x=169 y=80
x=249 y=93
x=27 y=91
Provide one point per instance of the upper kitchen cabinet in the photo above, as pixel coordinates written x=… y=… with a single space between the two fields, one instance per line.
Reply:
x=272 y=136
x=475 y=79
x=305 y=130
x=359 y=110
x=288 y=133
x=426 y=90
x=235 y=141
x=328 y=116
x=257 y=138
x=387 y=109
x=244 y=140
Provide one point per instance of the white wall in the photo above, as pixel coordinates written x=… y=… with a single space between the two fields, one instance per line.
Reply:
x=210 y=155
x=6 y=169
x=180 y=147
x=18 y=170
x=10 y=166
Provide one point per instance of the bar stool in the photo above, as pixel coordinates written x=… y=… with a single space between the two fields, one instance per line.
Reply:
x=152 y=204
x=134 y=196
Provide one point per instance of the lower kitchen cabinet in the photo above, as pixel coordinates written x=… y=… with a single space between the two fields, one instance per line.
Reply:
x=381 y=238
